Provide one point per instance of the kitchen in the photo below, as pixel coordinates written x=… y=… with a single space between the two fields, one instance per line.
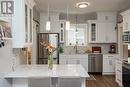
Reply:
x=95 y=36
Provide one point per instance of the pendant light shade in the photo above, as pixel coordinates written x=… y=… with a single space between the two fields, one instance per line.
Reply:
x=67 y=25
x=67 y=21
x=48 y=25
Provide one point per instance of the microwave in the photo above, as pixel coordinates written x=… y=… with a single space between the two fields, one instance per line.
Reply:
x=126 y=37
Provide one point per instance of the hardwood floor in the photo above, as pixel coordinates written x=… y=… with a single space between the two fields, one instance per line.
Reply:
x=102 y=81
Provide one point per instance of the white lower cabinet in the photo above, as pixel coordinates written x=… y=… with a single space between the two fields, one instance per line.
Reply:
x=74 y=59
x=109 y=64
x=119 y=72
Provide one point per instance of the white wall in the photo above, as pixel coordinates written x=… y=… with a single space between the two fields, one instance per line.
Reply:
x=6 y=62
x=55 y=26
x=9 y=59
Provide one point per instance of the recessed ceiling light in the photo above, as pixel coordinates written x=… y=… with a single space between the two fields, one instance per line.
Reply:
x=82 y=4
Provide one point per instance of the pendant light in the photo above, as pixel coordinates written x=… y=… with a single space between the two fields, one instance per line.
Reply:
x=48 y=23
x=67 y=21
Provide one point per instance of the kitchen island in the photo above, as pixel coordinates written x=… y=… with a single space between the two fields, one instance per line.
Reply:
x=21 y=76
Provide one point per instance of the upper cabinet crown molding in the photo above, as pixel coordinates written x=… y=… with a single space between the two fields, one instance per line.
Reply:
x=30 y=3
x=107 y=16
x=125 y=12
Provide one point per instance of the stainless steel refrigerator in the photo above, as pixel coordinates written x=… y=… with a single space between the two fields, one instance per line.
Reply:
x=48 y=38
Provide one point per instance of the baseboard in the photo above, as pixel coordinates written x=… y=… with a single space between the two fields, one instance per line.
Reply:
x=108 y=73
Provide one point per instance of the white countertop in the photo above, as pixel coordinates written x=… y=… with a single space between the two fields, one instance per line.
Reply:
x=91 y=53
x=42 y=71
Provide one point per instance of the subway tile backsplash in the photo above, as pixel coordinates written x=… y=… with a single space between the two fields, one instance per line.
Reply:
x=81 y=49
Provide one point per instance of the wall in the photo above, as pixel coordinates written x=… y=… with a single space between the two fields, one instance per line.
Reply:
x=54 y=17
x=82 y=49
x=6 y=61
x=9 y=59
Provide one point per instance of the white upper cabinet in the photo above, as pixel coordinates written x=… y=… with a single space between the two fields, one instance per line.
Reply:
x=103 y=29
x=23 y=23
x=106 y=32
x=62 y=31
x=92 y=31
x=107 y=16
x=126 y=20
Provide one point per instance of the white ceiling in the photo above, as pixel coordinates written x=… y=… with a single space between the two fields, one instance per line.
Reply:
x=96 y=5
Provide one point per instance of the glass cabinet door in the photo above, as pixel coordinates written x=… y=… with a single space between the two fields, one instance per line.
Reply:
x=93 y=32
x=31 y=28
x=26 y=23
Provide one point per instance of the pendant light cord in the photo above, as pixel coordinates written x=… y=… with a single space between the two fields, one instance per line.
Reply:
x=48 y=10
x=67 y=13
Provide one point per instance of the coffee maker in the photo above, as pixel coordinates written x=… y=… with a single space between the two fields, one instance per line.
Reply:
x=112 y=48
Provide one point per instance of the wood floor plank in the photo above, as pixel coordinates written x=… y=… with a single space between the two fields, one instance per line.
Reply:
x=102 y=81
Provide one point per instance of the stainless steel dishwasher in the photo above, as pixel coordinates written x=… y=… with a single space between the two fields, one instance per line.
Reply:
x=95 y=63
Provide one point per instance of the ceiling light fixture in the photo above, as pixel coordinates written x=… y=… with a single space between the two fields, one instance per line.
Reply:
x=82 y=4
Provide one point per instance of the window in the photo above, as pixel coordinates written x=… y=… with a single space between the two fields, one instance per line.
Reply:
x=76 y=35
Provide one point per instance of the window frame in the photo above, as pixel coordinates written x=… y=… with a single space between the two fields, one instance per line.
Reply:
x=85 y=35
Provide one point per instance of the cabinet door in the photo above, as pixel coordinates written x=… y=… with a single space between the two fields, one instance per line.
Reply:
x=106 y=32
x=101 y=31
x=73 y=61
x=107 y=16
x=111 y=32
x=112 y=65
x=26 y=23
x=63 y=61
x=108 y=65
x=31 y=25
x=105 y=65
x=126 y=22
x=62 y=28
x=92 y=32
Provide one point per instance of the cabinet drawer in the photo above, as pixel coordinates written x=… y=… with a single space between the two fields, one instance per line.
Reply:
x=110 y=56
x=119 y=76
x=119 y=65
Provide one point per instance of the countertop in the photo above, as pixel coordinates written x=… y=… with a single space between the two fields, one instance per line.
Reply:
x=91 y=53
x=42 y=71
x=126 y=64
